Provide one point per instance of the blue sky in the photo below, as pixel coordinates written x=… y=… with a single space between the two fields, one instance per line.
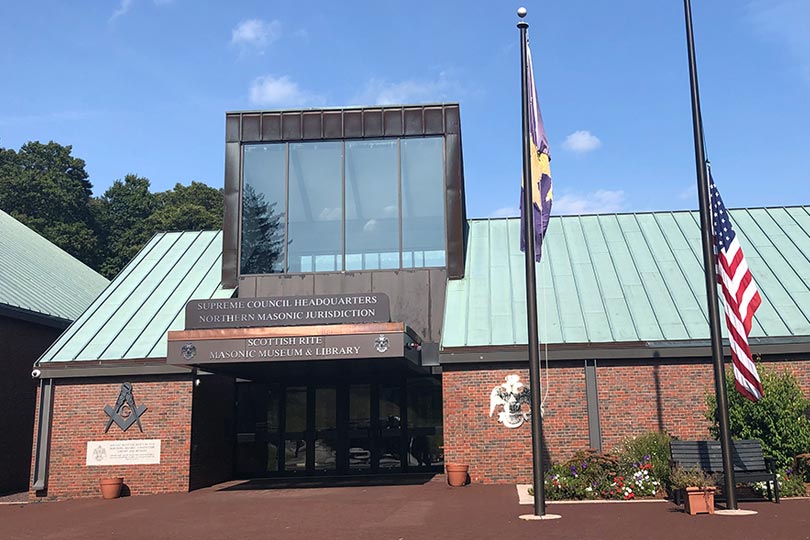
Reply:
x=142 y=86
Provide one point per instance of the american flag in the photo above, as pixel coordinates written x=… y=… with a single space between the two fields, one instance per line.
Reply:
x=741 y=296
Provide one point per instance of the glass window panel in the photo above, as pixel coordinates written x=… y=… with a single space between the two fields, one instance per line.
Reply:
x=426 y=448
x=325 y=408
x=423 y=202
x=359 y=406
x=295 y=455
x=263 y=204
x=372 y=205
x=424 y=402
x=296 y=406
x=326 y=451
x=315 y=207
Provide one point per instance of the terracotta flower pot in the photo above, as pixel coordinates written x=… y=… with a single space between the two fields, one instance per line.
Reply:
x=111 y=487
x=699 y=500
x=456 y=474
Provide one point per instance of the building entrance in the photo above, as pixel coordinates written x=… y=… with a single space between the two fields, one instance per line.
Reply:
x=381 y=426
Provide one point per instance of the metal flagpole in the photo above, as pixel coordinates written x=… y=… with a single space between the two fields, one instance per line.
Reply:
x=711 y=270
x=531 y=286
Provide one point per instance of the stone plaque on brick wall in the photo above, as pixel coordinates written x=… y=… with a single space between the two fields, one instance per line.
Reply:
x=131 y=452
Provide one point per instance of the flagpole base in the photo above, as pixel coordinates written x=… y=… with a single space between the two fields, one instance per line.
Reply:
x=534 y=517
x=737 y=512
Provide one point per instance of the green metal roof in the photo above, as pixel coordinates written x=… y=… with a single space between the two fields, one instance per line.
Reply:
x=36 y=276
x=624 y=278
x=130 y=319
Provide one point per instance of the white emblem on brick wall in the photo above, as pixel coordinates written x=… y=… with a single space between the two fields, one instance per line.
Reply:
x=512 y=396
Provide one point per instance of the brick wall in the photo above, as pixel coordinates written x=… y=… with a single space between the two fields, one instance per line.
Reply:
x=22 y=343
x=635 y=396
x=640 y=396
x=212 y=431
x=78 y=417
x=495 y=453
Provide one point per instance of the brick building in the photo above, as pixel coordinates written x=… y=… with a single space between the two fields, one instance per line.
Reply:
x=42 y=289
x=350 y=320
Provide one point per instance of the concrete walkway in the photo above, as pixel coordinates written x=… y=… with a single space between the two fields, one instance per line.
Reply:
x=430 y=510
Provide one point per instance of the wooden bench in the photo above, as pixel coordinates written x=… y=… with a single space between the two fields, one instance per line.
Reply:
x=750 y=465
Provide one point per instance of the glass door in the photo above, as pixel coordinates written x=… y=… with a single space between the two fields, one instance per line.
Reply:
x=368 y=427
x=325 y=437
x=295 y=429
x=390 y=429
x=359 y=429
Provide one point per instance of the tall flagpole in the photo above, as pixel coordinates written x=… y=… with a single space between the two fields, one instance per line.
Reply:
x=531 y=285
x=711 y=270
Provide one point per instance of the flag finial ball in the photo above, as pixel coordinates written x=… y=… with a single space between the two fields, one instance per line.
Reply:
x=521 y=12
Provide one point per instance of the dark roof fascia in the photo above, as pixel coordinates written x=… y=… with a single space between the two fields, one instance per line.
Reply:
x=618 y=351
x=109 y=368
x=35 y=317
x=348 y=108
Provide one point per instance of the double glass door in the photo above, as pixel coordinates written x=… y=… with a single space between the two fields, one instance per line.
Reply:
x=346 y=428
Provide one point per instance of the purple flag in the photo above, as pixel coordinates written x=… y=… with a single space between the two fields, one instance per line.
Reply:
x=540 y=181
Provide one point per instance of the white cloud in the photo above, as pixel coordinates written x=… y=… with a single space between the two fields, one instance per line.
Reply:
x=330 y=214
x=784 y=22
x=280 y=92
x=582 y=142
x=370 y=225
x=601 y=201
x=506 y=211
x=256 y=34
x=382 y=92
x=123 y=8
x=689 y=192
x=126 y=5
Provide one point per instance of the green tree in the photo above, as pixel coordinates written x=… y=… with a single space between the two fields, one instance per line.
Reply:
x=121 y=212
x=779 y=420
x=133 y=215
x=47 y=189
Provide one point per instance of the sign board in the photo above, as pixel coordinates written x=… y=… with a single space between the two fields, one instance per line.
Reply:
x=288 y=311
x=286 y=348
x=130 y=452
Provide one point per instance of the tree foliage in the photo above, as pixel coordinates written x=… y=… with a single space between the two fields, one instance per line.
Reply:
x=262 y=235
x=779 y=420
x=48 y=189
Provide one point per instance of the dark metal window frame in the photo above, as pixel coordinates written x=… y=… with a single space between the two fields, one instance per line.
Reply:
x=344 y=124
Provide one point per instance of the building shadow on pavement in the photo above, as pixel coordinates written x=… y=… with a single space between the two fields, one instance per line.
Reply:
x=327 y=482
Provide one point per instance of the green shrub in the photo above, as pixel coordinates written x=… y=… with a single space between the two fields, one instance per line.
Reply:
x=778 y=420
x=585 y=476
x=652 y=447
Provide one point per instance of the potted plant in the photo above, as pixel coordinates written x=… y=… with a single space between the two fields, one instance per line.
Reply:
x=111 y=487
x=456 y=474
x=697 y=489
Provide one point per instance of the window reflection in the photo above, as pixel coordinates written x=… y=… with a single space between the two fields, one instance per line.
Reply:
x=263 y=202
x=346 y=205
x=422 y=203
x=372 y=205
x=314 y=233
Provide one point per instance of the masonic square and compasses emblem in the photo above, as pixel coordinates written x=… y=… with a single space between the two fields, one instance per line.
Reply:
x=125 y=413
